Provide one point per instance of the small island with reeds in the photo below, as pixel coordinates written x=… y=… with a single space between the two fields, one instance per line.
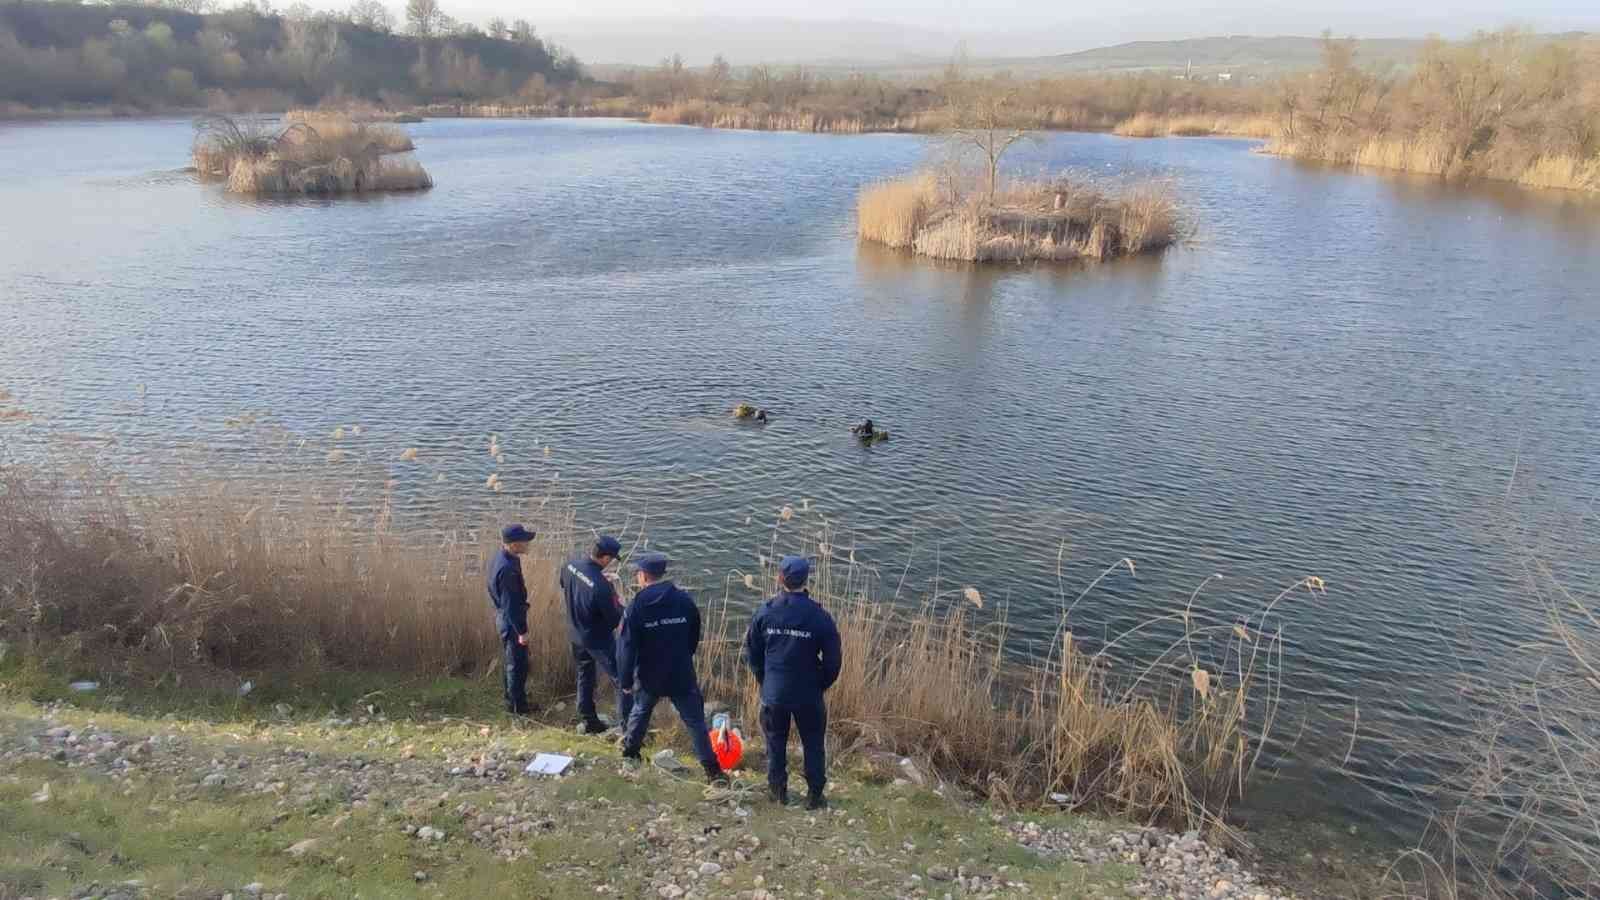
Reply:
x=1070 y=217
x=311 y=153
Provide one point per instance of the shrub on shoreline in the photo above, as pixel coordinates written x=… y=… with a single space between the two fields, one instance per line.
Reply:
x=1067 y=218
x=315 y=153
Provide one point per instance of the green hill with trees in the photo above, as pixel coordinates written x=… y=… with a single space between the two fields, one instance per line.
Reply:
x=64 y=55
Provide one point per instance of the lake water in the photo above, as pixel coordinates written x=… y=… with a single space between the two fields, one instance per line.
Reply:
x=1364 y=378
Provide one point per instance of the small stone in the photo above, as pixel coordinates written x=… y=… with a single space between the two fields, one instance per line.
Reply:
x=254 y=888
x=419 y=876
x=709 y=868
x=670 y=891
x=940 y=873
x=301 y=848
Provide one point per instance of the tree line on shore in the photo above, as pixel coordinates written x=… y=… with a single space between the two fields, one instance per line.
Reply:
x=253 y=57
x=1505 y=105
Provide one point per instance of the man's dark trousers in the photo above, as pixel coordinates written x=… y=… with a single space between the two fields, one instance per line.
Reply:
x=691 y=707
x=587 y=659
x=516 y=666
x=812 y=722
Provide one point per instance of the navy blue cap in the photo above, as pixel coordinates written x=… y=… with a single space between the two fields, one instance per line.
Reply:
x=652 y=563
x=606 y=545
x=794 y=569
x=513 y=533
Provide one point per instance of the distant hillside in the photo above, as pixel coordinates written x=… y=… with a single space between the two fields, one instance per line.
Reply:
x=1262 y=53
x=145 y=57
x=1240 y=54
x=645 y=40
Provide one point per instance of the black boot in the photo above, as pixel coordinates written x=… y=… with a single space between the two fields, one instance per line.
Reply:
x=779 y=794
x=714 y=775
x=815 y=801
x=592 y=726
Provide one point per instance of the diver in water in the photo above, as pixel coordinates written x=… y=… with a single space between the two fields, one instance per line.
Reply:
x=761 y=416
x=864 y=430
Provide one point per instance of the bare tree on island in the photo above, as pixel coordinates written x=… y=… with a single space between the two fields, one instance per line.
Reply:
x=985 y=120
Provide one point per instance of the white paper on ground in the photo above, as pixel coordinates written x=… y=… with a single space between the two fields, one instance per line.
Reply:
x=548 y=764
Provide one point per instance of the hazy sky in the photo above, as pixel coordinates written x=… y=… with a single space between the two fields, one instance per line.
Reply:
x=630 y=30
x=1005 y=14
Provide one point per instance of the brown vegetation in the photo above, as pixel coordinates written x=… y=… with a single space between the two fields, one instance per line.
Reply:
x=1071 y=217
x=1197 y=125
x=292 y=577
x=1501 y=106
x=316 y=153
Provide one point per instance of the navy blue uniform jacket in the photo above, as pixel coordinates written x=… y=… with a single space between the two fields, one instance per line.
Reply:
x=793 y=649
x=660 y=631
x=509 y=595
x=592 y=610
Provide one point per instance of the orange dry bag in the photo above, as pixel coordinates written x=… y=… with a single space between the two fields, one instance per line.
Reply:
x=726 y=743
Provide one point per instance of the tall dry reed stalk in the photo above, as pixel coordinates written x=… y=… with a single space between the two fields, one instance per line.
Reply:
x=298 y=576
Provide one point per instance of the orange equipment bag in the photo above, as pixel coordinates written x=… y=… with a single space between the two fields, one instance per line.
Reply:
x=727 y=744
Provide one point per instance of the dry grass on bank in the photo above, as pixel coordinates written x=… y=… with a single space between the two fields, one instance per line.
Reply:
x=315 y=153
x=288 y=578
x=1152 y=125
x=1434 y=155
x=1068 y=218
x=708 y=114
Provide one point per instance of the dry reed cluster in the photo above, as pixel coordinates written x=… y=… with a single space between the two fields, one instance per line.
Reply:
x=1197 y=125
x=290 y=577
x=760 y=117
x=315 y=153
x=1070 y=217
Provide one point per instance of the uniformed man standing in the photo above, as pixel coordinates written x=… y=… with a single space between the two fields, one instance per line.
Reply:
x=655 y=656
x=509 y=594
x=593 y=613
x=793 y=649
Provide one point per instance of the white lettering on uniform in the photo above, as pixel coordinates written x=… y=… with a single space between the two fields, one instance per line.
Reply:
x=680 y=620
x=788 y=632
x=579 y=575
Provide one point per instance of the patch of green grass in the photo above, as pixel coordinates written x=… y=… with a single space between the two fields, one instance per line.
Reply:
x=210 y=843
x=219 y=840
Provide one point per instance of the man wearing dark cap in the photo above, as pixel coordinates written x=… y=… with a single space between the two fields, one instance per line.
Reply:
x=509 y=594
x=793 y=649
x=593 y=613
x=655 y=655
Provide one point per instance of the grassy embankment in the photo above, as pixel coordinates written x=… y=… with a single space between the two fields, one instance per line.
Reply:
x=1066 y=219
x=315 y=153
x=272 y=583
x=316 y=788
